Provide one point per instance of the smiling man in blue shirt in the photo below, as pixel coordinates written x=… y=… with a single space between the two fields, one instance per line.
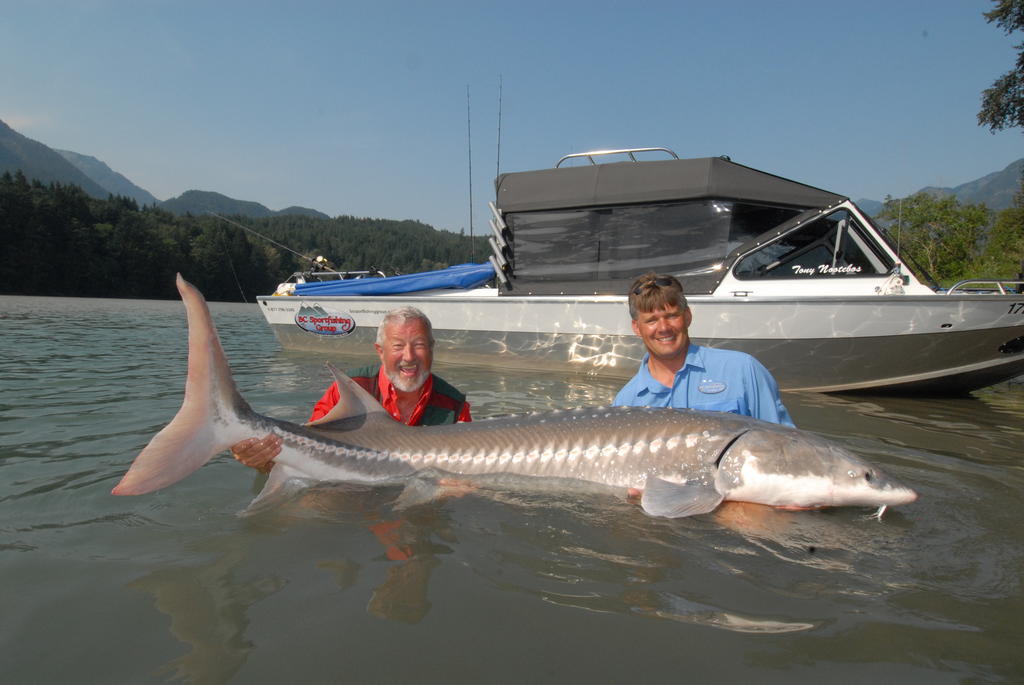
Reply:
x=678 y=373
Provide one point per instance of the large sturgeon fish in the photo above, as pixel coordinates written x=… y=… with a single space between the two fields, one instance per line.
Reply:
x=685 y=462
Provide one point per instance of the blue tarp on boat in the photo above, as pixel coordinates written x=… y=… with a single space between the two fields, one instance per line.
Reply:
x=458 y=276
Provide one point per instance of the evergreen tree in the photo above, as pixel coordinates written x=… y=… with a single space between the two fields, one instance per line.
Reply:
x=56 y=240
x=1002 y=105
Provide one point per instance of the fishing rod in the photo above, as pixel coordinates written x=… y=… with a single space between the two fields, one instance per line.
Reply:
x=469 y=145
x=318 y=261
x=497 y=165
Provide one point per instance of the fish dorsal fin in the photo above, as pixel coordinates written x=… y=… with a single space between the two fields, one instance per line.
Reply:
x=676 y=500
x=354 y=400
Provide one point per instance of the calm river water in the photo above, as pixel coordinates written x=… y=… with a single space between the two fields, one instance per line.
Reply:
x=338 y=587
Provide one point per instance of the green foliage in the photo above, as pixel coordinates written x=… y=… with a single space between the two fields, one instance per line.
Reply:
x=1004 y=252
x=937 y=233
x=352 y=243
x=1002 y=105
x=56 y=240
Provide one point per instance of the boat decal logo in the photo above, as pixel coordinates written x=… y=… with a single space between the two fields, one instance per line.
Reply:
x=825 y=270
x=320 y=320
x=711 y=387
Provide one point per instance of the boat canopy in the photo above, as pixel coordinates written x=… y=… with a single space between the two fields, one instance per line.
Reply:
x=652 y=181
x=458 y=276
x=593 y=229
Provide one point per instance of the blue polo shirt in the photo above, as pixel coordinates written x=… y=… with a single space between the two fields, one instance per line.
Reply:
x=711 y=380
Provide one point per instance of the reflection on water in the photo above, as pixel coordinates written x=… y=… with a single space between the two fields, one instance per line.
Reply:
x=208 y=608
x=494 y=585
x=208 y=603
x=986 y=425
x=571 y=552
x=680 y=609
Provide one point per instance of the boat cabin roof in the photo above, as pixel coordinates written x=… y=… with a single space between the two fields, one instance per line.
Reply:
x=620 y=183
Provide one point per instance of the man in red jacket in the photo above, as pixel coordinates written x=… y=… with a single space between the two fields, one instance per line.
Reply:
x=402 y=383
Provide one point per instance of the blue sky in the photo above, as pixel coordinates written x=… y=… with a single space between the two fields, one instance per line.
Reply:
x=360 y=108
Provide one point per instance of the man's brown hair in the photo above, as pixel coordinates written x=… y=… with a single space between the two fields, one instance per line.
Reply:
x=655 y=291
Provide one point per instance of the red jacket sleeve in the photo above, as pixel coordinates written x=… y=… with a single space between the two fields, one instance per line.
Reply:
x=464 y=414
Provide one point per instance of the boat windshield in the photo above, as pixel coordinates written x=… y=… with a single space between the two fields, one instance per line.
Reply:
x=603 y=249
x=834 y=246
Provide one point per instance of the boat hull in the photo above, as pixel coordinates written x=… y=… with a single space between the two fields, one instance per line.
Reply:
x=931 y=344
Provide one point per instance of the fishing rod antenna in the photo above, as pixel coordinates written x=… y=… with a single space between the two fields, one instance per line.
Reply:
x=318 y=261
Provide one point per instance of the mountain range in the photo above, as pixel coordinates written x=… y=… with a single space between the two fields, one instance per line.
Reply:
x=37 y=161
x=996 y=190
x=108 y=179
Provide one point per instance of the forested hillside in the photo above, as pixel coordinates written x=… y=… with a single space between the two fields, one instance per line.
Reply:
x=57 y=240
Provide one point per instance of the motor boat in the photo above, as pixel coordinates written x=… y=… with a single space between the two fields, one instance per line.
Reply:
x=797 y=276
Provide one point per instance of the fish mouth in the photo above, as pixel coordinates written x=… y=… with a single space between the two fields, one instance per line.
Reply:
x=888 y=490
x=897 y=494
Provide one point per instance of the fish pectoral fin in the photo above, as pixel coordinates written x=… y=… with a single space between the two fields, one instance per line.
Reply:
x=430 y=485
x=282 y=484
x=676 y=500
x=418 y=490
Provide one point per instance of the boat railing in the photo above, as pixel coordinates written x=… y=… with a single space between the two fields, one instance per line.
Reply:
x=631 y=152
x=1004 y=286
x=330 y=275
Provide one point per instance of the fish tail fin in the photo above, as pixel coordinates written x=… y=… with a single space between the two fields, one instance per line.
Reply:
x=211 y=416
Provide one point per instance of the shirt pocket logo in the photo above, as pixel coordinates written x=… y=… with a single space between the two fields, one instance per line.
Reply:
x=711 y=387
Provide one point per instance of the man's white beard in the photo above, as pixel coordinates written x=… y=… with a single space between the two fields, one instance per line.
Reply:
x=408 y=384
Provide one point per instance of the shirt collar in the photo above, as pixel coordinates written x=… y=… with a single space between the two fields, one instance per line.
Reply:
x=694 y=359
